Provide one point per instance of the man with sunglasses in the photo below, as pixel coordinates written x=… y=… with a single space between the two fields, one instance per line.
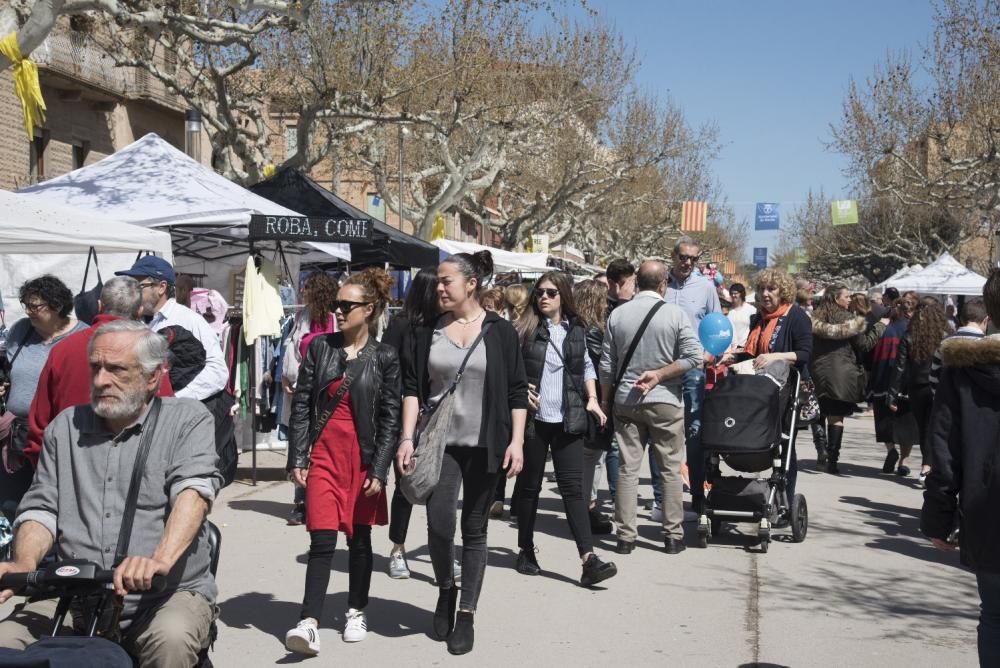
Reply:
x=697 y=297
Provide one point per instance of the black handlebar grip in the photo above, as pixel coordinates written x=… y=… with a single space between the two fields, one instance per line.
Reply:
x=19 y=580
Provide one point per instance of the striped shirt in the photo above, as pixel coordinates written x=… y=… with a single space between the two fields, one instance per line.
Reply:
x=550 y=387
x=966 y=332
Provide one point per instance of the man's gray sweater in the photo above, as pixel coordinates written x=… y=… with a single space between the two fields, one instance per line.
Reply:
x=669 y=337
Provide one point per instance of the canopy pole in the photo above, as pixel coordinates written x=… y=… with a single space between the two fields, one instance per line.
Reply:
x=253 y=395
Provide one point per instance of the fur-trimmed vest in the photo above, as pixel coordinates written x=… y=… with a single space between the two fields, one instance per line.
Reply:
x=834 y=366
x=964 y=484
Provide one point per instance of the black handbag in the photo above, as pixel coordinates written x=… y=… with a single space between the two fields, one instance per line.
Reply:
x=85 y=303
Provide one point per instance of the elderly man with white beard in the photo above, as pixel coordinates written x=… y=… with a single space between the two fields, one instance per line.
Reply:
x=77 y=501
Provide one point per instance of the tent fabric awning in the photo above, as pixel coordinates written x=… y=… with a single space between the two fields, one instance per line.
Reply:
x=944 y=276
x=152 y=184
x=32 y=226
x=503 y=260
x=297 y=191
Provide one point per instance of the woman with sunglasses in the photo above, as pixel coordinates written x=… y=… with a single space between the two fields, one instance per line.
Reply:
x=343 y=430
x=486 y=434
x=562 y=385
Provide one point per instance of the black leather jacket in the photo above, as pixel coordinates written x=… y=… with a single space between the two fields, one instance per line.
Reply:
x=374 y=394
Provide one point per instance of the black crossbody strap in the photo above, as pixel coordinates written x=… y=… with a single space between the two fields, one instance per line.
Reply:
x=635 y=342
x=145 y=442
x=327 y=403
x=92 y=253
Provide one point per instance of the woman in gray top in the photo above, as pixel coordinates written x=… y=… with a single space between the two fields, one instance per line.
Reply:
x=486 y=433
x=47 y=303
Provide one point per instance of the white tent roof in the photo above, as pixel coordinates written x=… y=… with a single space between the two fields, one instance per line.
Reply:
x=943 y=276
x=30 y=225
x=502 y=260
x=39 y=238
x=902 y=273
x=151 y=183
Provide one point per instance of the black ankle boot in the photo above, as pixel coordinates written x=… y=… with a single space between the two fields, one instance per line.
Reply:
x=821 y=443
x=461 y=639
x=834 y=440
x=444 y=613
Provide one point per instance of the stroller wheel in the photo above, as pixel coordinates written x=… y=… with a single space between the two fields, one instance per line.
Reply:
x=716 y=526
x=799 y=518
x=765 y=542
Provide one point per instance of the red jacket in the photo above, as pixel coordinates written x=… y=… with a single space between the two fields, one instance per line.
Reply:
x=65 y=382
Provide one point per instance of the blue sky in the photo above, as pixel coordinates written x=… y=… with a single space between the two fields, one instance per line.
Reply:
x=772 y=74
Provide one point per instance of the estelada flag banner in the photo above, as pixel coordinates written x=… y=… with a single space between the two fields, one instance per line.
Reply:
x=767 y=216
x=844 y=212
x=694 y=216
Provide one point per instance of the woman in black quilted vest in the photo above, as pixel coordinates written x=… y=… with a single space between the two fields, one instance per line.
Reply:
x=562 y=389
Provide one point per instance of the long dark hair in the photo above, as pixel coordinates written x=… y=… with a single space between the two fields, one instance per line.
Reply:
x=421 y=304
x=829 y=310
x=532 y=316
x=928 y=326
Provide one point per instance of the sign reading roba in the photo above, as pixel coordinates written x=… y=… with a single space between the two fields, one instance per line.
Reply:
x=301 y=228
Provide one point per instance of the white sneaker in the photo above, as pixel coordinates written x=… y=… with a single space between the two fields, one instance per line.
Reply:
x=398 y=570
x=304 y=638
x=656 y=514
x=357 y=626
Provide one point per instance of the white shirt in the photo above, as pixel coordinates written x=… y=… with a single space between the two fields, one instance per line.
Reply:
x=740 y=317
x=215 y=375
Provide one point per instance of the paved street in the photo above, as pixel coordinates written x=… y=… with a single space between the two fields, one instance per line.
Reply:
x=863 y=589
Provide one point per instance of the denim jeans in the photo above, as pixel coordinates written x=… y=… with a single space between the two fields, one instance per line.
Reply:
x=462 y=468
x=693 y=389
x=989 y=618
x=611 y=465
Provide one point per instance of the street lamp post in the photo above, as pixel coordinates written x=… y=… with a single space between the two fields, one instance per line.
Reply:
x=402 y=131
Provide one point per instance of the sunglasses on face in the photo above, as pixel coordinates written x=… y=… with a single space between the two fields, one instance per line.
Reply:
x=687 y=258
x=345 y=306
x=551 y=293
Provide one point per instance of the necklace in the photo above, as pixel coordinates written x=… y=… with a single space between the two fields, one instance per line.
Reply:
x=466 y=322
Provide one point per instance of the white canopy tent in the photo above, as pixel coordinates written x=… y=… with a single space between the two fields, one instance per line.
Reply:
x=943 y=276
x=38 y=238
x=902 y=273
x=152 y=184
x=503 y=260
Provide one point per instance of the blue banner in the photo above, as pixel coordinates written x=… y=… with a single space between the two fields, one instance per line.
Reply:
x=760 y=257
x=767 y=216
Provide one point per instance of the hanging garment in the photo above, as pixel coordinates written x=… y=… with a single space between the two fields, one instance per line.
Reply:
x=262 y=309
x=210 y=305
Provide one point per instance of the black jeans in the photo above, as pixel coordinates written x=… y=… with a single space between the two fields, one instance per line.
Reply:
x=567 y=458
x=465 y=467
x=359 y=557
x=399 y=512
x=921 y=402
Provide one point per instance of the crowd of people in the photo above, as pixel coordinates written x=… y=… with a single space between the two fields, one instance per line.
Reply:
x=589 y=374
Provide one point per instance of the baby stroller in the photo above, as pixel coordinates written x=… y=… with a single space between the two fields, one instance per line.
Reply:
x=749 y=425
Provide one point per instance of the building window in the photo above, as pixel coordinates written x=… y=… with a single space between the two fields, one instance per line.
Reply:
x=36 y=158
x=80 y=152
x=291 y=141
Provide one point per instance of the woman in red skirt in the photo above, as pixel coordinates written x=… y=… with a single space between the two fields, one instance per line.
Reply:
x=342 y=433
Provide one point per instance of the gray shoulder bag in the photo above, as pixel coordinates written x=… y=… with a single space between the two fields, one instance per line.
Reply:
x=431 y=437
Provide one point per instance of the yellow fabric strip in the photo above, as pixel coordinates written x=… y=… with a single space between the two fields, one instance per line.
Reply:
x=25 y=84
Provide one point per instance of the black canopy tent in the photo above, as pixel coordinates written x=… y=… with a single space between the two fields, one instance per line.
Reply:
x=299 y=193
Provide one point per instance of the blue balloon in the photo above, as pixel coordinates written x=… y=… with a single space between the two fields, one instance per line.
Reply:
x=715 y=333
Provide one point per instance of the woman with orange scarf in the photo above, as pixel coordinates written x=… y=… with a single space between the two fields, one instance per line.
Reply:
x=781 y=331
